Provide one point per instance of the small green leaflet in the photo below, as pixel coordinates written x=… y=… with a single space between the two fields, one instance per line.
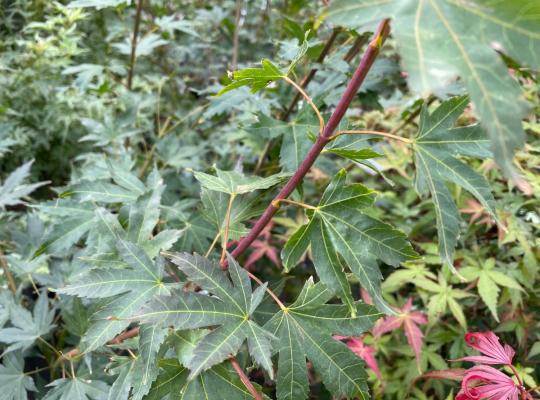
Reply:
x=126 y=291
x=340 y=233
x=13 y=381
x=259 y=78
x=305 y=329
x=440 y=40
x=27 y=327
x=488 y=278
x=230 y=307
x=234 y=183
x=435 y=147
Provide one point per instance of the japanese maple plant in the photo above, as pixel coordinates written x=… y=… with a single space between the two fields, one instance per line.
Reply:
x=237 y=248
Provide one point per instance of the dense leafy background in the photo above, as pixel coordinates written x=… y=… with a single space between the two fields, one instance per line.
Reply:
x=117 y=199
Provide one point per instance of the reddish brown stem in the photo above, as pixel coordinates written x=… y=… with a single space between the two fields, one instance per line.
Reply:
x=358 y=77
x=245 y=380
x=117 y=340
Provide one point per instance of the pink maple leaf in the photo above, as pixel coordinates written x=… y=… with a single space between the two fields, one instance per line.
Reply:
x=263 y=246
x=485 y=382
x=488 y=344
x=366 y=353
x=409 y=320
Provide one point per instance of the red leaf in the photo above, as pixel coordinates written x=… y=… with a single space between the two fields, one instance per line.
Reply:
x=409 y=320
x=488 y=344
x=263 y=247
x=484 y=382
x=453 y=374
x=366 y=353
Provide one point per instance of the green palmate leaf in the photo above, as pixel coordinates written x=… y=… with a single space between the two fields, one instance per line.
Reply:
x=472 y=33
x=257 y=78
x=27 y=327
x=132 y=287
x=305 y=329
x=217 y=383
x=489 y=279
x=234 y=183
x=436 y=146
x=101 y=192
x=229 y=307
x=14 y=382
x=340 y=234
x=443 y=297
x=76 y=388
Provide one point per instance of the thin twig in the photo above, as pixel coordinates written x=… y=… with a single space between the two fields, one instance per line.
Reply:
x=269 y=291
x=277 y=204
x=117 y=340
x=370 y=132
x=212 y=245
x=7 y=272
x=359 y=75
x=227 y=223
x=244 y=378
x=236 y=35
x=134 y=39
x=309 y=100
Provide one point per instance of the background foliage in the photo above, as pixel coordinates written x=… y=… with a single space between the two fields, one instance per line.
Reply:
x=116 y=169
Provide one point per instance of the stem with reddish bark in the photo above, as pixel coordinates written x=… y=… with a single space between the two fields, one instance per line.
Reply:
x=244 y=378
x=359 y=75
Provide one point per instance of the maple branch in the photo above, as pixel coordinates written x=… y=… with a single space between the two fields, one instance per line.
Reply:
x=370 y=132
x=244 y=378
x=133 y=55
x=358 y=77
